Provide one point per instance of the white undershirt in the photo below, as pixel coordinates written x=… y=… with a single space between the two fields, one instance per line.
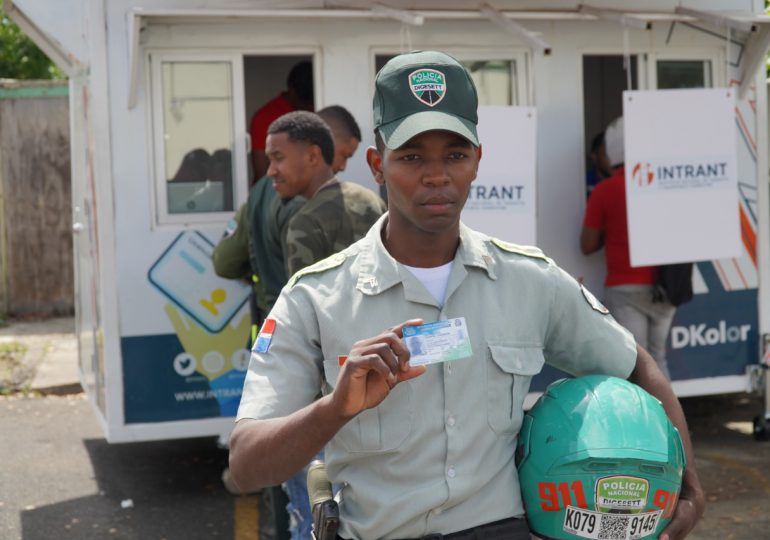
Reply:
x=434 y=279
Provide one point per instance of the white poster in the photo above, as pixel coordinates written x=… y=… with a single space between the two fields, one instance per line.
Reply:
x=681 y=175
x=502 y=199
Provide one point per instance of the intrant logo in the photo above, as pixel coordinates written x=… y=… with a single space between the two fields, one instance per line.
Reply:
x=675 y=174
x=643 y=174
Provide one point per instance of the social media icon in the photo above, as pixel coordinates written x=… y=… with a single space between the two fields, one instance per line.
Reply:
x=185 y=364
x=213 y=362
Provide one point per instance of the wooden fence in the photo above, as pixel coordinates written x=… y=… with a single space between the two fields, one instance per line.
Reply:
x=36 y=259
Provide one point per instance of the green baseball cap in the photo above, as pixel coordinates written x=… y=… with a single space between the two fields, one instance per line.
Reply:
x=422 y=91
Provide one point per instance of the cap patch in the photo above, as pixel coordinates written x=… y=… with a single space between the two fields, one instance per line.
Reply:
x=428 y=85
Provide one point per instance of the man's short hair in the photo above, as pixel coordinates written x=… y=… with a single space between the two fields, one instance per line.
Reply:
x=307 y=127
x=379 y=142
x=341 y=121
x=300 y=80
x=597 y=142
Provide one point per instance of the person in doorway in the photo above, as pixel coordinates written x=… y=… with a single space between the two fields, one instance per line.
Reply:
x=298 y=96
x=598 y=164
x=629 y=291
x=426 y=450
x=302 y=152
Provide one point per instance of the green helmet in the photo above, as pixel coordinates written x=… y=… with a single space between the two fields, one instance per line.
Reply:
x=599 y=458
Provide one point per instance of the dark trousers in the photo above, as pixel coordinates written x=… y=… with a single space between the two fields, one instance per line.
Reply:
x=505 y=529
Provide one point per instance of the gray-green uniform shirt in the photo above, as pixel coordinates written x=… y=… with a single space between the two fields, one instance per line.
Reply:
x=437 y=455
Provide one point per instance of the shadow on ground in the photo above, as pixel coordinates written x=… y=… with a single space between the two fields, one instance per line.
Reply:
x=734 y=468
x=174 y=488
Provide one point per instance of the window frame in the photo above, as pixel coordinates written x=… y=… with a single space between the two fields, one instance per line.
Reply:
x=715 y=56
x=161 y=216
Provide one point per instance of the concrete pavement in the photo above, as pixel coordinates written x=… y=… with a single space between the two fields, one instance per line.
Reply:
x=50 y=362
x=67 y=482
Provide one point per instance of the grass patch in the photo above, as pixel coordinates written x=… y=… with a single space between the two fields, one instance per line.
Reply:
x=12 y=348
x=14 y=374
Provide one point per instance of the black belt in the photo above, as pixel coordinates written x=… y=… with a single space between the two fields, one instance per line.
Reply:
x=505 y=529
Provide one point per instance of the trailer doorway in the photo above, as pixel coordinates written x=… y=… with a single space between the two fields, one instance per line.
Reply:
x=265 y=78
x=604 y=80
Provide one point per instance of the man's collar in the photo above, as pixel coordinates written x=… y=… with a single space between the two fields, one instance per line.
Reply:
x=378 y=271
x=474 y=251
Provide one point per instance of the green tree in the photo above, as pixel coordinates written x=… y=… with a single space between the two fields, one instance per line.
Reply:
x=20 y=58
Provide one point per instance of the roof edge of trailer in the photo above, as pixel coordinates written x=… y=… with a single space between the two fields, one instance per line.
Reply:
x=759 y=25
x=381 y=11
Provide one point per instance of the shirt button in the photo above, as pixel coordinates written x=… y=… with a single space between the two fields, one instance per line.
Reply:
x=451 y=472
x=450 y=421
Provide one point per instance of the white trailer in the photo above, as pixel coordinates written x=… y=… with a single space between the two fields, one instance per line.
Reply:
x=157 y=84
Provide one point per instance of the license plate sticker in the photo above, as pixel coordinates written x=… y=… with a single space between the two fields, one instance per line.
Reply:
x=601 y=526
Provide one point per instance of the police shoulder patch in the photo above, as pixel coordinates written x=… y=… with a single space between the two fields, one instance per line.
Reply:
x=321 y=266
x=527 y=251
x=593 y=302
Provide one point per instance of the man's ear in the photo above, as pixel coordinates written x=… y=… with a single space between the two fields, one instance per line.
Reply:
x=314 y=154
x=374 y=159
x=478 y=152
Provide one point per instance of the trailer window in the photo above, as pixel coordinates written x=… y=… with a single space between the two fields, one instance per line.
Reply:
x=197 y=136
x=684 y=74
x=496 y=80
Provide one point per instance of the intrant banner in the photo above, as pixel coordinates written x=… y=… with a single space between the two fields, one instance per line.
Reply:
x=502 y=198
x=681 y=175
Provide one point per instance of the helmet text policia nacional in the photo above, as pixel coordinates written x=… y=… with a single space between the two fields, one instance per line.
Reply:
x=598 y=458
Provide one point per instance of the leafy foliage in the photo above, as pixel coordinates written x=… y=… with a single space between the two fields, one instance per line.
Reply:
x=20 y=58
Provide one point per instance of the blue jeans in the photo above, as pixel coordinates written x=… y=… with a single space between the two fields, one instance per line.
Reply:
x=300 y=513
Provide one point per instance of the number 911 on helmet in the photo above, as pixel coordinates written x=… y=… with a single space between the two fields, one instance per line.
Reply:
x=598 y=458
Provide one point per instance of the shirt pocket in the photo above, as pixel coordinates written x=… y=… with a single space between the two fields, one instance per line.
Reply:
x=509 y=373
x=381 y=429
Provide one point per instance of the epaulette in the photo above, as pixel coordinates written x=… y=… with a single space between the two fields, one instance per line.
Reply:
x=323 y=265
x=527 y=251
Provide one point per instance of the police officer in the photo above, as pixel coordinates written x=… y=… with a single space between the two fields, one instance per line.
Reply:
x=422 y=450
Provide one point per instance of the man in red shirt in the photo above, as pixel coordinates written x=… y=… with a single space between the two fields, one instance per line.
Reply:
x=629 y=291
x=298 y=96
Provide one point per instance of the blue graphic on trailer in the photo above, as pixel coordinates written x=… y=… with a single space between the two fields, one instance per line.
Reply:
x=713 y=335
x=198 y=372
x=185 y=274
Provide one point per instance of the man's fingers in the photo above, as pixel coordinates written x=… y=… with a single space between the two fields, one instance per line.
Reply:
x=374 y=362
x=399 y=347
x=683 y=522
x=388 y=355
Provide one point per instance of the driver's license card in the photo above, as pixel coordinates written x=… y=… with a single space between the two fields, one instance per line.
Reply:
x=438 y=341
